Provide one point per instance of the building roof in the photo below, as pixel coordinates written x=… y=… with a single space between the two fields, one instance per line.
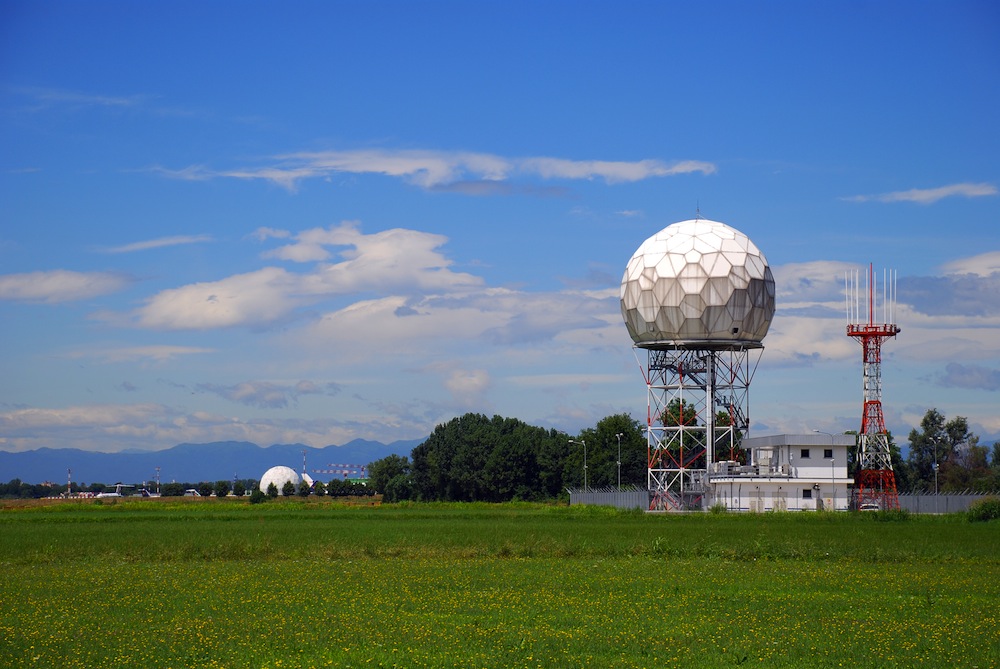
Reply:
x=809 y=439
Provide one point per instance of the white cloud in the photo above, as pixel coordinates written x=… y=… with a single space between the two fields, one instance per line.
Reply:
x=254 y=298
x=159 y=354
x=435 y=169
x=468 y=386
x=811 y=282
x=59 y=285
x=391 y=262
x=114 y=427
x=930 y=195
x=264 y=233
x=942 y=318
x=984 y=264
x=159 y=243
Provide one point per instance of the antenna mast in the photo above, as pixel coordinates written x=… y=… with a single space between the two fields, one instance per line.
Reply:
x=876 y=481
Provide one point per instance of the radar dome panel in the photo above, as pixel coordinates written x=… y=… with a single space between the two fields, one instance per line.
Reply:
x=697 y=281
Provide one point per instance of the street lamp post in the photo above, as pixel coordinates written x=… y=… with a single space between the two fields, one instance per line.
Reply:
x=833 y=484
x=935 y=488
x=935 y=466
x=584 y=442
x=619 y=435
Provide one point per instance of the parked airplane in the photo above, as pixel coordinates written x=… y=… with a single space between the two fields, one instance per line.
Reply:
x=118 y=491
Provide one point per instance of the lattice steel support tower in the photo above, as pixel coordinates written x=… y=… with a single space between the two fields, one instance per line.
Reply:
x=875 y=482
x=698 y=296
x=697 y=414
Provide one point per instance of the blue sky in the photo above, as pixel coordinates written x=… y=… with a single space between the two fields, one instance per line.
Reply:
x=329 y=220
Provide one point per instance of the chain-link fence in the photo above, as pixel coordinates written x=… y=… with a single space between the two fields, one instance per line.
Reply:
x=943 y=503
x=636 y=498
x=626 y=498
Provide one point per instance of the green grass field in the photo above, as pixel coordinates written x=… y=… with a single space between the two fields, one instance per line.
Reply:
x=220 y=583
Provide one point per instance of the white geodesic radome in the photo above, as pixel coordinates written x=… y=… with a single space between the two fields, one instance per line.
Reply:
x=279 y=476
x=697 y=281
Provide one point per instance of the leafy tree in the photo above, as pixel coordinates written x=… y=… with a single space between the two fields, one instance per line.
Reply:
x=939 y=441
x=319 y=489
x=474 y=457
x=602 y=454
x=205 y=488
x=172 y=489
x=382 y=471
x=288 y=489
x=221 y=488
x=272 y=490
x=553 y=449
x=304 y=488
x=398 y=489
x=679 y=412
x=239 y=489
x=257 y=497
x=338 y=488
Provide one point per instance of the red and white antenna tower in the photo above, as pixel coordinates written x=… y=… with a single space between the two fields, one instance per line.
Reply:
x=875 y=482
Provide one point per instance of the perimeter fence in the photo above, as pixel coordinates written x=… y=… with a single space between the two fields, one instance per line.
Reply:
x=942 y=503
x=626 y=498
x=637 y=498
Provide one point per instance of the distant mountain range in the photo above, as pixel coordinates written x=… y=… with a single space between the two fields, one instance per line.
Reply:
x=191 y=463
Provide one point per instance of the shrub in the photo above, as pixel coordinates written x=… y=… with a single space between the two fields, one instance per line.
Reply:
x=987 y=508
x=257 y=496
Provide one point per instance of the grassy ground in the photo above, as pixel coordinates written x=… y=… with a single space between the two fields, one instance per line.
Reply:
x=217 y=583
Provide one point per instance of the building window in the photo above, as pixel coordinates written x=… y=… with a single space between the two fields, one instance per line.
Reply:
x=805 y=453
x=828 y=453
x=807 y=493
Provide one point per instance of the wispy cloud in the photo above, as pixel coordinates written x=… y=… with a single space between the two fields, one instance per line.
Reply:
x=56 y=96
x=159 y=242
x=268 y=395
x=929 y=195
x=984 y=264
x=439 y=169
x=391 y=262
x=59 y=285
x=264 y=233
x=156 y=353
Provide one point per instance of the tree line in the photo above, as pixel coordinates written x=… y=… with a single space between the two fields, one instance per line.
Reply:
x=946 y=456
x=17 y=488
x=476 y=458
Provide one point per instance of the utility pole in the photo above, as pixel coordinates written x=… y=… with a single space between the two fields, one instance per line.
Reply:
x=584 y=442
x=619 y=435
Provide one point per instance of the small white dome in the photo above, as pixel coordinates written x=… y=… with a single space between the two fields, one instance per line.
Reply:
x=278 y=476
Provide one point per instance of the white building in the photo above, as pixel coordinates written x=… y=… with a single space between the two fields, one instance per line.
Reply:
x=788 y=472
